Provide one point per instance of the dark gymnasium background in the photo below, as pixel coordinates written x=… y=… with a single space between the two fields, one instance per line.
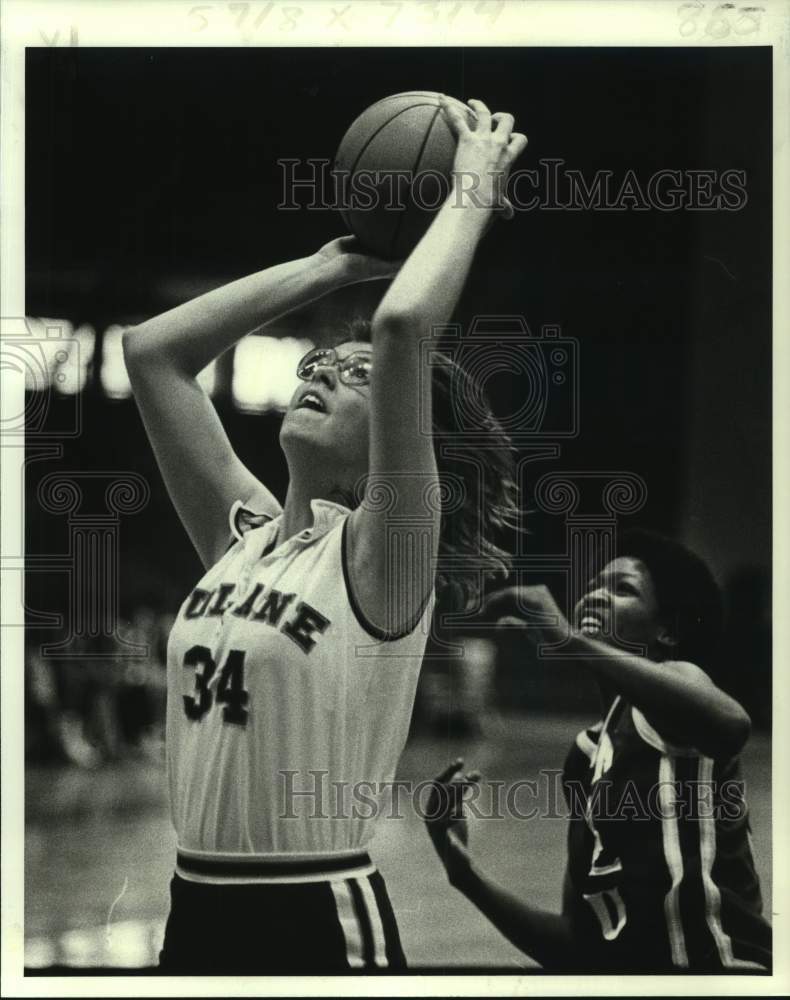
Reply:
x=151 y=175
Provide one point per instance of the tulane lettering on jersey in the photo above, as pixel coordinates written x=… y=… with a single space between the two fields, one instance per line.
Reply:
x=260 y=605
x=278 y=693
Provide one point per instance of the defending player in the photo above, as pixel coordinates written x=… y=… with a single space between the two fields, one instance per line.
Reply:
x=292 y=665
x=660 y=875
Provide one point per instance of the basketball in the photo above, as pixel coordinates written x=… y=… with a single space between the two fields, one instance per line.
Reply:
x=393 y=168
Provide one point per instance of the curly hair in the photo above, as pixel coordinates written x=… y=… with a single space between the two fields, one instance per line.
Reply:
x=490 y=507
x=687 y=594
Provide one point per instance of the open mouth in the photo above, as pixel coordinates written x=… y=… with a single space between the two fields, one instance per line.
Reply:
x=590 y=625
x=311 y=401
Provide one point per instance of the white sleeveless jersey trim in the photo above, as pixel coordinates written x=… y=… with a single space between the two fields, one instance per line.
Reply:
x=275 y=692
x=236 y=506
x=359 y=614
x=241 y=518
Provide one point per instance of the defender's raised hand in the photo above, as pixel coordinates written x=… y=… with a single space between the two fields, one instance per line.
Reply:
x=446 y=822
x=531 y=608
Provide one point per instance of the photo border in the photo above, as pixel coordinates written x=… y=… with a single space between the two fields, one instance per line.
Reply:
x=586 y=23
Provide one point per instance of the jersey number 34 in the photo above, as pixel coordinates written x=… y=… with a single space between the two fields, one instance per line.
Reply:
x=230 y=692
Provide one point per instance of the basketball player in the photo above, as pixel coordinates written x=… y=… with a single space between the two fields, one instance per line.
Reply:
x=293 y=663
x=660 y=875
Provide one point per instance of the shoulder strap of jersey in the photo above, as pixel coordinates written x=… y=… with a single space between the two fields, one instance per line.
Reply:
x=242 y=520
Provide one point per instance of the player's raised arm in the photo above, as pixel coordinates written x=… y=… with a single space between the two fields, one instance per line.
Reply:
x=545 y=936
x=677 y=697
x=164 y=355
x=391 y=574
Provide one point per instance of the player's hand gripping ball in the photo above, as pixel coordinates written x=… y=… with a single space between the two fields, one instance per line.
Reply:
x=394 y=168
x=358 y=263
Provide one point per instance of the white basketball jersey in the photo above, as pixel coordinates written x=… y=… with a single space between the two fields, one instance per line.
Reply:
x=285 y=716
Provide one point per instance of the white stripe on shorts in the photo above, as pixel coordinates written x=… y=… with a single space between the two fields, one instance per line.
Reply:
x=349 y=921
x=379 y=942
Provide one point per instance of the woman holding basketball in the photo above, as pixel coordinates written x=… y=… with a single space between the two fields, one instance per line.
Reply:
x=293 y=663
x=660 y=875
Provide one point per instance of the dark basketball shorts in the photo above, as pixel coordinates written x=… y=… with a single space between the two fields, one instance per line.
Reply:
x=333 y=925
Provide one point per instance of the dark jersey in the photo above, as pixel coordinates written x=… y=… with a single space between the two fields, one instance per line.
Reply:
x=660 y=869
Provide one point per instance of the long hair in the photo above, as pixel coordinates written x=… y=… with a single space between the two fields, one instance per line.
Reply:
x=488 y=506
x=688 y=597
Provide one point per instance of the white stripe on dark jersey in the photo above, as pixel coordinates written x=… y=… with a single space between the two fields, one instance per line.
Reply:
x=597 y=901
x=600 y=762
x=610 y=869
x=586 y=745
x=379 y=941
x=349 y=921
x=707 y=849
x=674 y=858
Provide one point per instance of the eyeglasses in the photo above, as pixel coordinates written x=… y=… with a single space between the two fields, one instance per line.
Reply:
x=353 y=370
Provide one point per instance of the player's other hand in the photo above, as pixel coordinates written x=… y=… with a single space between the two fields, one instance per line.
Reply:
x=446 y=822
x=487 y=149
x=530 y=608
x=356 y=261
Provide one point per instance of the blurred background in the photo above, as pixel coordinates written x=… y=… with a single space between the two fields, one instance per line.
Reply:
x=152 y=176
